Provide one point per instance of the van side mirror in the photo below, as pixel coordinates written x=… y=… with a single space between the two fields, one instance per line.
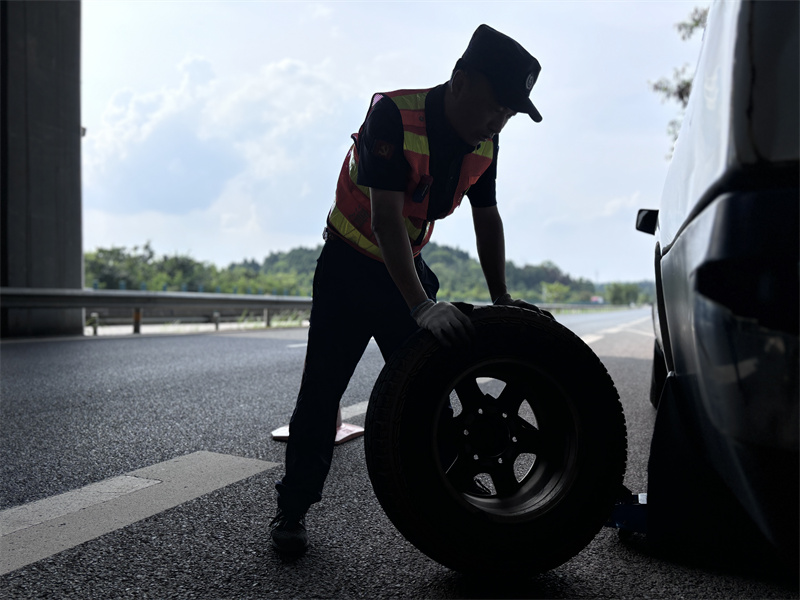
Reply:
x=646 y=220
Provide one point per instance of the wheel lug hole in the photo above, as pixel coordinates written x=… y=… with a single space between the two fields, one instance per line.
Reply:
x=480 y=411
x=514 y=439
x=500 y=461
x=505 y=416
x=466 y=432
x=475 y=457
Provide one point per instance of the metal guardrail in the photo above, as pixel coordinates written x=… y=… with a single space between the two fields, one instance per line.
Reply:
x=33 y=298
x=90 y=298
x=139 y=300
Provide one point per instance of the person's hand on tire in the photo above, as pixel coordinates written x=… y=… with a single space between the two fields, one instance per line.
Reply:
x=448 y=325
x=507 y=300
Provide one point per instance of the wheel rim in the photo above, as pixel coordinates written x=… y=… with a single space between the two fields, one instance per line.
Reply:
x=506 y=438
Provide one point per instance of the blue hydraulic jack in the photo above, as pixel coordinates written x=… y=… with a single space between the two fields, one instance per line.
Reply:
x=629 y=515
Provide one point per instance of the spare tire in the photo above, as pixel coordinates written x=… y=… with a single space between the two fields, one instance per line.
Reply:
x=501 y=457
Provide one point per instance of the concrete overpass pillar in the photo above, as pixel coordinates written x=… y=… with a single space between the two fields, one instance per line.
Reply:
x=40 y=160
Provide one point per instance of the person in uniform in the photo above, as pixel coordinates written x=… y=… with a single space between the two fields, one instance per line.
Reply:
x=415 y=157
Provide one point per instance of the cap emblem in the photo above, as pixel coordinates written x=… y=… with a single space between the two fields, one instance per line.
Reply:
x=529 y=82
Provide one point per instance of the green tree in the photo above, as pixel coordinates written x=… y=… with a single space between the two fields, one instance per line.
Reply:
x=679 y=86
x=580 y=296
x=555 y=293
x=460 y=276
x=622 y=293
x=181 y=271
x=299 y=260
x=115 y=267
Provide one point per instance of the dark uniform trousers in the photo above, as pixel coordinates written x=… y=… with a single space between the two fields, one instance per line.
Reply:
x=354 y=299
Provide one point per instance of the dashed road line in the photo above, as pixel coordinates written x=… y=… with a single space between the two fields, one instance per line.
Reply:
x=591 y=338
x=37 y=530
x=304 y=344
x=649 y=333
x=35 y=513
x=625 y=326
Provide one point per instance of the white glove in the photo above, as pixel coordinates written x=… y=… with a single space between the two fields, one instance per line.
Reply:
x=507 y=300
x=448 y=325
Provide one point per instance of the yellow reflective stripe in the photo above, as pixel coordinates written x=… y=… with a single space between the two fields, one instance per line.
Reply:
x=416 y=143
x=414 y=232
x=410 y=101
x=486 y=150
x=346 y=229
x=353 y=169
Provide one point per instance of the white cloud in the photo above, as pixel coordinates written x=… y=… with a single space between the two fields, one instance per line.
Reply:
x=267 y=119
x=131 y=118
x=281 y=96
x=273 y=121
x=321 y=11
x=235 y=210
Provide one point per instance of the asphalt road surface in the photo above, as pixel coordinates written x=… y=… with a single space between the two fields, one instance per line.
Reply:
x=143 y=467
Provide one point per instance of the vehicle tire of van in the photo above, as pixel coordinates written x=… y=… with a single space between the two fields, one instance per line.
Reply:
x=501 y=457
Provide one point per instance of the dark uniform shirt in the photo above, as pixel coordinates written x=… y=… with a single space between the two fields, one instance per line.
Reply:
x=382 y=164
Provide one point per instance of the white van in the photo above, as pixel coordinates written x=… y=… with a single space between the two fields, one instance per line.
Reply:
x=725 y=372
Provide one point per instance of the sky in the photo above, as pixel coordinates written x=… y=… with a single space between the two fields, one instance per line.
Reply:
x=217 y=129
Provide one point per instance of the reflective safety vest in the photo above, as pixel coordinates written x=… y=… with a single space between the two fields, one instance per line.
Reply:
x=351 y=216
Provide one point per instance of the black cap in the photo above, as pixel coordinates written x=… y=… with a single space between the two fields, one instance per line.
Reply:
x=510 y=69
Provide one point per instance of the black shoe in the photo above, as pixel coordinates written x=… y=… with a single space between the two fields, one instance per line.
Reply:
x=288 y=534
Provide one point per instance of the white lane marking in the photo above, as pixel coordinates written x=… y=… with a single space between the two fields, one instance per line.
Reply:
x=304 y=344
x=591 y=338
x=624 y=326
x=179 y=480
x=34 y=513
x=649 y=334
